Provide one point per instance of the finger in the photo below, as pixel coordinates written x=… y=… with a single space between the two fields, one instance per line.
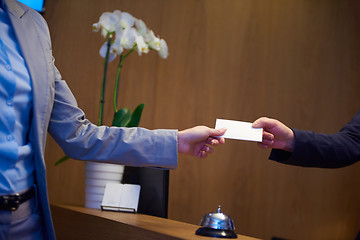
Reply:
x=221 y=140
x=203 y=154
x=267 y=142
x=262 y=145
x=212 y=141
x=268 y=136
x=207 y=149
x=215 y=141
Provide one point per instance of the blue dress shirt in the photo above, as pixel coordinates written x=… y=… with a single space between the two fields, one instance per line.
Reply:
x=16 y=157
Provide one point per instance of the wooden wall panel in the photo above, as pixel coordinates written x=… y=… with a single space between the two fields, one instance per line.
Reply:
x=297 y=61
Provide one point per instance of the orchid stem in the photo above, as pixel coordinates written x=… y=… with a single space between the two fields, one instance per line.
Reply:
x=117 y=81
x=116 y=89
x=102 y=96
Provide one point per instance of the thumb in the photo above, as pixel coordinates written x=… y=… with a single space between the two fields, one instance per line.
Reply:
x=264 y=122
x=217 y=132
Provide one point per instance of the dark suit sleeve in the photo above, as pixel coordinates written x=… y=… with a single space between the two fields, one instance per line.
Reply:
x=324 y=150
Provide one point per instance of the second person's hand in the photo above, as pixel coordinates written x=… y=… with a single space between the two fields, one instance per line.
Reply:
x=275 y=135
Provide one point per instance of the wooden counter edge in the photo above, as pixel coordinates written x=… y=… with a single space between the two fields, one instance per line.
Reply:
x=84 y=223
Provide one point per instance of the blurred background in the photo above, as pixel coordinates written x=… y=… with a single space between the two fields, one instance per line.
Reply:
x=294 y=60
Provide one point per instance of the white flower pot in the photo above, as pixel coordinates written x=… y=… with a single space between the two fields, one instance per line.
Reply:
x=96 y=177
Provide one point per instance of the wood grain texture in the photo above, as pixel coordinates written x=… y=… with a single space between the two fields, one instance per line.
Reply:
x=97 y=224
x=297 y=61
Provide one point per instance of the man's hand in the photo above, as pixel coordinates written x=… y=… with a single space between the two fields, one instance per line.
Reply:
x=275 y=134
x=198 y=141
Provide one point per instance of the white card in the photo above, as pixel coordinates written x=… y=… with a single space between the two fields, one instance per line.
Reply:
x=239 y=130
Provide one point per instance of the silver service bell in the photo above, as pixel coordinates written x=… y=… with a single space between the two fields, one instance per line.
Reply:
x=217 y=225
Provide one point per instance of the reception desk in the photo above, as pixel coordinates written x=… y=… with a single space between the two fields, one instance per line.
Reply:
x=73 y=222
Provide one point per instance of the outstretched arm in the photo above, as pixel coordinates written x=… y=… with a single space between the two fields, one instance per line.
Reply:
x=311 y=149
x=199 y=141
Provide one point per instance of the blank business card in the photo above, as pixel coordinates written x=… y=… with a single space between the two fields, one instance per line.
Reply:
x=239 y=130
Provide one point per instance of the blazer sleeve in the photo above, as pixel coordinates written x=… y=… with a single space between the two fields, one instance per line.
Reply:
x=324 y=150
x=81 y=139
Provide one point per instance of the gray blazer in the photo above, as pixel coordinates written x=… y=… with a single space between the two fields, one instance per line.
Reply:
x=55 y=111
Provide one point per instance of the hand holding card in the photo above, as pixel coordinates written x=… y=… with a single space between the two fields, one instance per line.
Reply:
x=239 y=130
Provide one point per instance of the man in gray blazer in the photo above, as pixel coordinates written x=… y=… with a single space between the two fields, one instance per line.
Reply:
x=35 y=100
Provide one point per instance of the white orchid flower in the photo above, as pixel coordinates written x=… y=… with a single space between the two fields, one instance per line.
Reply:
x=117 y=46
x=117 y=13
x=163 y=52
x=119 y=31
x=128 y=31
x=128 y=38
x=141 y=27
x=109 y=21
x=96 y=27
x=142 y=47
x=112 y=52
x=152 y=40
x=127 y=20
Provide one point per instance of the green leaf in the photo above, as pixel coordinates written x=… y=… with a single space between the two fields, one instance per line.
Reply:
x=63 y=159
x=135 y=117
x=122 y=117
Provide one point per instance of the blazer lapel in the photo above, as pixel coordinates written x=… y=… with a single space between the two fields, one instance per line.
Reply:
x=35 y=53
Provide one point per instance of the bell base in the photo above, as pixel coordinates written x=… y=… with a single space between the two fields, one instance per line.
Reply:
x=215 y=233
